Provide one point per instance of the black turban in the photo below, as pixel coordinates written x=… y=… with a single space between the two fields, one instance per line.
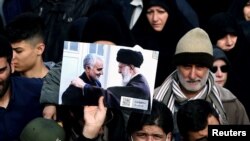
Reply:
x=130 y=57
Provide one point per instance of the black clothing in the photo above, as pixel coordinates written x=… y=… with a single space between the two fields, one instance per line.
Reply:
x=72 y=114
x=67 y=98
x=137 y=88
x=164 y=41
x=239 y=76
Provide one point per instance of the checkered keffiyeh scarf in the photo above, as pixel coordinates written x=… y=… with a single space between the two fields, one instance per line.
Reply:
x=209 y=93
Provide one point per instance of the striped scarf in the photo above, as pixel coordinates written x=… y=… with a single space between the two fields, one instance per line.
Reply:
x=170 y=93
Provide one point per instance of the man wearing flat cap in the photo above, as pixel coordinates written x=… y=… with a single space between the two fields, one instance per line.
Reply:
x=193 y=80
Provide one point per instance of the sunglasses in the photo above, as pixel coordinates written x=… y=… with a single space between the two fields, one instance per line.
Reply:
x=223 y=68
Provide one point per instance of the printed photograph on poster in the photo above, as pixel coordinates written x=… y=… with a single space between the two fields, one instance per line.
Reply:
x=125 y=76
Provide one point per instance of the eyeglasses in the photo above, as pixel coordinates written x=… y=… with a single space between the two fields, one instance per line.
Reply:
x=223 y=68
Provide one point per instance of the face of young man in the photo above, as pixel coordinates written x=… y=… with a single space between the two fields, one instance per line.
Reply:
x=5 y=71
x=25 y=55
x=157 y=17
x=96 y=70
x=151 y=133
x=198 y=135
x=192 y=77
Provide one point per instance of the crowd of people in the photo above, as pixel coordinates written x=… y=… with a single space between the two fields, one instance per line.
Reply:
x=203 y=66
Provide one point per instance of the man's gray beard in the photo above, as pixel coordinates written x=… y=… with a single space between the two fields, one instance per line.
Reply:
x=126 y=79
x=203 y=82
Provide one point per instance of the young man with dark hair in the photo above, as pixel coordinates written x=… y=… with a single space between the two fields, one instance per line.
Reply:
x=193 y=119
x=19 y=97
x=141 y=126
x=25 y=32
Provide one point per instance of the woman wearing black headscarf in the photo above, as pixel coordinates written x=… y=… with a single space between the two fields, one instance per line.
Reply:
x=158 y=29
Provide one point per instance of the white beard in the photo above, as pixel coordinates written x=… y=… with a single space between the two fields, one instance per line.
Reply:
x=126 y=79
x=200 y=83
x=126 y=76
